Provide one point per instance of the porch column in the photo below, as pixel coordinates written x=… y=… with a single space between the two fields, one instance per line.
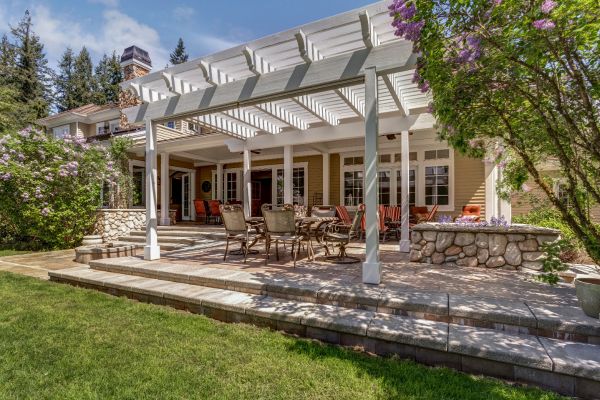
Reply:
x=495 y=206
x=151 y=250
x=164 y=189
x=193 y=194
x=288 y=171
x=371 y=271
x=247 y=184
x=405 y=200
x=220 y=181
x=326 y=178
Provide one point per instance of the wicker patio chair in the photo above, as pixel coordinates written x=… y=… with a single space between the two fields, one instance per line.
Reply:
x=340 y=234
x=280 y=227
x=236 y=228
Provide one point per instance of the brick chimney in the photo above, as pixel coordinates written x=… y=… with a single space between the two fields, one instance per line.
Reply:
x=135 y=62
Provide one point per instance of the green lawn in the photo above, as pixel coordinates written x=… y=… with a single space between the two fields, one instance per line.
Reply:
x=7 y=252
x=57 y=341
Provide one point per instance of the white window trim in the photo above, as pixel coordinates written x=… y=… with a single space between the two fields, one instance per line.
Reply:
x=419 y=167
x=61 y=129
x=273 y=168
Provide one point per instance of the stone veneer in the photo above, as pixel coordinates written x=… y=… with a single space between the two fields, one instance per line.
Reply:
x=513 y=247
x=115 y=223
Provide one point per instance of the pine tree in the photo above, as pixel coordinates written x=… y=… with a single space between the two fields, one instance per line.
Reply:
x=108 y=75
x=179 y=55
x=31 y=73
x=63 y=82
x=83 y=80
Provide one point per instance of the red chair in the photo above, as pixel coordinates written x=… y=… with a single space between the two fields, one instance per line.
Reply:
x=342 y=213
x=201 y=210
x=215 y=212
x=383 y=228
x=422 y=214
x=392 y=218
x=473 y=212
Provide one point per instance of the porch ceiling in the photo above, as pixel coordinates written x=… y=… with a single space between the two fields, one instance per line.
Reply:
x=305 y=77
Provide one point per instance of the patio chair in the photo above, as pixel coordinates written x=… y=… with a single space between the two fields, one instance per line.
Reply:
x=300 y=211
x=471 y=212
x=340 y=234
x=236 y=228
x=320 y=211
x=280 y=227
x=201 y=211
x=383 y=228
x=215 y=212
x=392 y=216
x=342 y=213
x=422 y=214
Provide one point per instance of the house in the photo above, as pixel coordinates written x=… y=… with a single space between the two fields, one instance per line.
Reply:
x=324 y=113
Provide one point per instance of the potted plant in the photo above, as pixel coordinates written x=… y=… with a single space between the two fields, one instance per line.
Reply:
x=588 y=294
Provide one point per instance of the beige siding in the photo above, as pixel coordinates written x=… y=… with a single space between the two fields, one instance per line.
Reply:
x=469 y=182
x=204 y=174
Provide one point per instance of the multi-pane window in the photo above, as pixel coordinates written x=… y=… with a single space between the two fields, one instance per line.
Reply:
x=412 y=156
x=61 y=131
x=437 y=154
x=353 y=160
x=353 y=188
x=231 y=186
x=297 y=186
x=437 y=185
x=171 y=124
x=385 y=189
x=412 y=187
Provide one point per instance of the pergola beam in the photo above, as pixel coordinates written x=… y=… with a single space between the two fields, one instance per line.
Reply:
x=395 y=93
x=327 y=74
x=249 y=119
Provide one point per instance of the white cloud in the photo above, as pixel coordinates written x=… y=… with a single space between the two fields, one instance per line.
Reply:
x=183 y=13
x=213 y=43
x=106 y=3
x=117 y=31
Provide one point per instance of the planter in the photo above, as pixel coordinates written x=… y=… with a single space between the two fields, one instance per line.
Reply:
x=91 y=240
x=588 y=294
x=85 y=254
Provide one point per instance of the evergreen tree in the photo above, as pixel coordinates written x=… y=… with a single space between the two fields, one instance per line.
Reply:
x=82 y=79
x=108 y=75
x=179 y=55
x=7 y=61
x=63 y=82
x=31 y=73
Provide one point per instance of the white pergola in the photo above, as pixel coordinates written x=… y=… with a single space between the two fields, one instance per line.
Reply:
x=314 y=81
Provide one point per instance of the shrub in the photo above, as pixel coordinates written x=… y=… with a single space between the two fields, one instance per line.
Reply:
x=50 y=188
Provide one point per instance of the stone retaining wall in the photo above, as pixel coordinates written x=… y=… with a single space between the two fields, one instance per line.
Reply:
x=115 y=223
x=481 y=246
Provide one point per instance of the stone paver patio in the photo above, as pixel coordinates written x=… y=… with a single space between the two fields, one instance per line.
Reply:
x=37 y=265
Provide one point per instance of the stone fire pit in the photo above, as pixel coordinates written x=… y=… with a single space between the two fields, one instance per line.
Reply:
x=513 y=247
x=85 y=254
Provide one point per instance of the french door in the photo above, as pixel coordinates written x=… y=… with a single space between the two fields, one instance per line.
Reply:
x=186 y=212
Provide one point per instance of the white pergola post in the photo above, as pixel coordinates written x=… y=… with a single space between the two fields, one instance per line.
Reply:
x=247 y=184
x=220 y=181
x=151 y=250
x=326 y=178
x=288 y=171
x=193 y=195
x=371 y=270
x=491 y=196
x=405 y=193
x=164 y=189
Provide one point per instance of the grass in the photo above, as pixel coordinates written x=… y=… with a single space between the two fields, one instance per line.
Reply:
x=62 y=342
x=9 y=252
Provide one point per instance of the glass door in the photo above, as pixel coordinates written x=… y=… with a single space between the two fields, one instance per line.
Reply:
x=185 y=198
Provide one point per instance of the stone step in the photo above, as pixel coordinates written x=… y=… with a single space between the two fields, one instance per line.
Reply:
x=192 y=234
x=191 y=228
x=559 y=322
x=163 y=246
x=164 y=240
x=567 y=367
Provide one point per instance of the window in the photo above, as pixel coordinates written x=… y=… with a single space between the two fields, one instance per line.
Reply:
x=231 y=186
x=412 y=187
x=412 y=156
x=353 y=188
x=114 y=125
x=171 y=124
x=437 y=185
x=385 y=158
x=297 y=186
x=561 y=192
x=193 y=127
x=353 y=161
x=437 y=154
x=61 y=131
x=385 y=190
x=100 y=129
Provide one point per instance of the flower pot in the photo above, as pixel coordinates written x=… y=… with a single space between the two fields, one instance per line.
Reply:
x=588 y=294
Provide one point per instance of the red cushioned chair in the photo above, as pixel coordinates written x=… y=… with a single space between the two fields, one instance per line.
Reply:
x=200 y=207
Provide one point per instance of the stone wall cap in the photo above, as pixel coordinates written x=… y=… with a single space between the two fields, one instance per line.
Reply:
x=108 y=210
x=512 y=229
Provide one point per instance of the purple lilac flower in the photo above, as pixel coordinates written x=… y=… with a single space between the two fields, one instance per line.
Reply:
x=38 y=193
x=49 y=178
x=45 y=211
x=544 y=24
x=502 y=164
x=496 y=2
x=445 y=219
x=6 y=176
x=548 y=6
x=526 y=188
x=25 y=197
x=424 y=86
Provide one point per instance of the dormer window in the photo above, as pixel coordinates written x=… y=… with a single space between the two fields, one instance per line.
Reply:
x=171 y=124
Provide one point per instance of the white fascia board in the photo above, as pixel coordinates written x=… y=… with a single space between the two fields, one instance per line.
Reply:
x=332 y=133
x=318 y=76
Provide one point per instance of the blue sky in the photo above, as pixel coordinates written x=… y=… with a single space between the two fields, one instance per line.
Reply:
x=155 y=25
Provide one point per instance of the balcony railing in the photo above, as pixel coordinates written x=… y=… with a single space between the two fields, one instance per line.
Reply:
x=107 y=134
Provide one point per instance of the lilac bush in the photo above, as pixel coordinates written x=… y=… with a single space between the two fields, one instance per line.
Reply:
x=49 y=188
